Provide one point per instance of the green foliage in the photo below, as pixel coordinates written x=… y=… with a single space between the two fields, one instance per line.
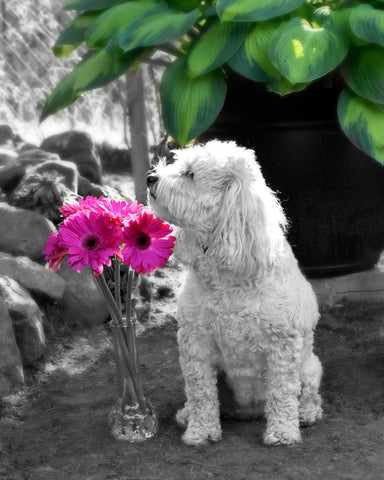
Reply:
x=368 y=23
x=111 y=24
x=218 y=44
x=73 y=35
x=284 y=45
x=303 y=53
x=363 y=122
x=365 y=74
x=99 y=69
x=190 y=105
x=157 y=28
x=252 y=59
x=251 y=11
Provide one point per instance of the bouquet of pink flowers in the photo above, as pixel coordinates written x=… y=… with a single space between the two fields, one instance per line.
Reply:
x=98 y=232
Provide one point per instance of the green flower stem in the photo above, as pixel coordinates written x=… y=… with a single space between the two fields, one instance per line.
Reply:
x=116 y=265
x=122 y=343
x=125 y=391
x=131 y=331
x=112 y=305
x=125 y=387
x=128 y=294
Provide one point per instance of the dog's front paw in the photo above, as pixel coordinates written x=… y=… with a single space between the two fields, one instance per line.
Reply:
x=282 y=436
x=200 y=436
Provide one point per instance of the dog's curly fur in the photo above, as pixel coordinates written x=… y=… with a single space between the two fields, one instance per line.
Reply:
x=245 y=306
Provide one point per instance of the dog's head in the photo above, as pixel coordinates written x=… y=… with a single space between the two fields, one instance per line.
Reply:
x=217 y=191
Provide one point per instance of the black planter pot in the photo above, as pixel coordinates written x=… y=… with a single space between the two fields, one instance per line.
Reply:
x=332 y=193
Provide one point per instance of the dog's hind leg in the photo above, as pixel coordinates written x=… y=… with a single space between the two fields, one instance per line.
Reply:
x=310 y=409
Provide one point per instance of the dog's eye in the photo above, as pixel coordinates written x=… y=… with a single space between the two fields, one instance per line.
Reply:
x=189 y=174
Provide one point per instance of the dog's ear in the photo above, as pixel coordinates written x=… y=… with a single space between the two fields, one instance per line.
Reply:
x=250 y=228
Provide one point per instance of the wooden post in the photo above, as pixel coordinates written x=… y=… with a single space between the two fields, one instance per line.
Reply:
x=138 y=132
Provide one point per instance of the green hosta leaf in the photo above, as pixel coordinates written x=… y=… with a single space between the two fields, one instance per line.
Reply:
x=63 y=51
x=102 y=68
x=364 y=72
x=74 y=34
x=95 y=71
x=363 y=123
x=284 y=86
x=210 y=11
x=87 y=5
x=216 y=46
x=340 y=19
x=113 y=22
x=185 y=5
x=368 y=23
x=252 y=59
x=60 y=97
x=303 y=53
x=189 y=105
x=156 y=28
x=254 y=11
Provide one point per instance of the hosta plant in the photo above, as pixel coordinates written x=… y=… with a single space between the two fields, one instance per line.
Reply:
x=283 y=45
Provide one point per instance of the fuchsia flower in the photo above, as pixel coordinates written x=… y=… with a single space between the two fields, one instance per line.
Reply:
x=91 y=240
x=118 y=210
x=88 y=203
x=54 y=252
x=96 y=229
x=147 y=242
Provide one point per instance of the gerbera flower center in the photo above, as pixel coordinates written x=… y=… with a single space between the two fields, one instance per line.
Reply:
x=143 y=241
x=89 y=243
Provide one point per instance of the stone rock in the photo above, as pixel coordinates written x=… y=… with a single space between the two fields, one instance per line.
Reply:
x=11 y=367
x=26 y=319
x=115 y=160
x=24 y=146
x=35 y=156
x=88 y=188
x=79 y=148
x=10 y=176
x=7 y=136
x=7 y=157
x=23 y=232
x=33 y=277
x=94 y=190
x=82 y=297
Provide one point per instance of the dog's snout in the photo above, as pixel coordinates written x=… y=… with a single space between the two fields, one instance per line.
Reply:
x=152 y=179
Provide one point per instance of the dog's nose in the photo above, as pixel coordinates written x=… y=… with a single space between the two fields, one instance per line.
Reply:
x=152 y=178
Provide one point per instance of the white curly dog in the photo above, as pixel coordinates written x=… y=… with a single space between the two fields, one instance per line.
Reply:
x=245 y=307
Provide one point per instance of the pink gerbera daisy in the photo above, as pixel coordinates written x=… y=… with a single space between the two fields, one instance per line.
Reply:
x=54 y=253
x=88 y=203
x=91 y=240
x=119 y=211
x=147 y=242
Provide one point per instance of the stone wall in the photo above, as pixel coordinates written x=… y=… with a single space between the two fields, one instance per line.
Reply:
x=34 y=183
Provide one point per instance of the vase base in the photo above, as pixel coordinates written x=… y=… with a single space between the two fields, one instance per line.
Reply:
x=129 y=424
